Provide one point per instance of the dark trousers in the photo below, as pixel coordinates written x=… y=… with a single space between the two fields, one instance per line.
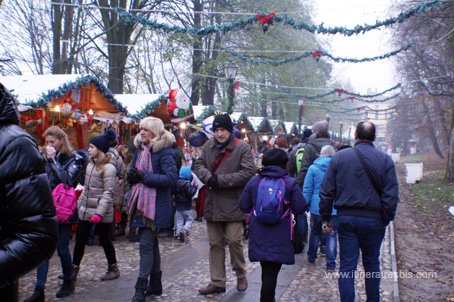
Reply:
x=103 y=231
x=357 y=233
x=270 y=271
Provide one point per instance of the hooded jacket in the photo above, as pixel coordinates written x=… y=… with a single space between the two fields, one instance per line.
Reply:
x=28 y=227
x=163 y=178
x=272 y=242
x=312 y=181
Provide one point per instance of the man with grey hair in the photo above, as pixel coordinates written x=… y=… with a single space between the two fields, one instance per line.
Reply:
x=311 y=189
x=361 y=184
x=320 y=138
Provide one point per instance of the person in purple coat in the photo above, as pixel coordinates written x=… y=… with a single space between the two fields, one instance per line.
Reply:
x=271 y=244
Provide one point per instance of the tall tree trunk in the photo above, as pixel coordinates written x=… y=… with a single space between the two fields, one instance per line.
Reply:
x=57 y=16
x=432 y=134
x=196 y=54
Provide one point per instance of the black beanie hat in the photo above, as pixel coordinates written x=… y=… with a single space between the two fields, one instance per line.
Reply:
x=222 y=121
x=275 y=157
x=102 y=142
x=110 y=132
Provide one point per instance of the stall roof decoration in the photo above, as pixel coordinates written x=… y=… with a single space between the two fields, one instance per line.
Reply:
x=99 y=104
x=292 y=128
x=201 y=112
x=29 y=88
x=242 y=118
x=278 y=127
x=136 y=102
x=151 y=106
x=261 y=124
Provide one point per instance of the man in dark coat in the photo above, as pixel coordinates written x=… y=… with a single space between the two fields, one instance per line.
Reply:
x=225 y=166
x=320 y=137
x=364 y=208
x=27 y=215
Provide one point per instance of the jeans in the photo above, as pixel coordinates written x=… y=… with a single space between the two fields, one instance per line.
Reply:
x=64 y=232
x=270 y=271
x=150 y=258
x=301 y=225
x=184 y=221
x=103 y=230
x=357 y=233
x=331 y=241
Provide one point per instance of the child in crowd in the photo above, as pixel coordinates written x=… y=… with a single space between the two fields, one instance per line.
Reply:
x=183 y=202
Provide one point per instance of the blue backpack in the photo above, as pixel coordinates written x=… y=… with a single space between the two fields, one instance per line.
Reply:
x=269 y=206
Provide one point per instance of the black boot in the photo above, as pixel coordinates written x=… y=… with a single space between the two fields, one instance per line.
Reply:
x=141 y=286
x=155 y=285
x=66 y=289
x=37 y=296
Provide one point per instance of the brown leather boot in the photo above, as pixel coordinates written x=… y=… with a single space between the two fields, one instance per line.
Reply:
x=112 y=273
x=211 y=289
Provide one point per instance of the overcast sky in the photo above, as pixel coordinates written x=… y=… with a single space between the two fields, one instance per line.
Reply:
x=377 y=75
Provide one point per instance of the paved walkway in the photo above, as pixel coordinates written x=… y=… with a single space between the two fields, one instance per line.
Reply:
x=185 y=269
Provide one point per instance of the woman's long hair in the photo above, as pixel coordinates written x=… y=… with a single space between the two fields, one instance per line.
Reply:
x=61 y=135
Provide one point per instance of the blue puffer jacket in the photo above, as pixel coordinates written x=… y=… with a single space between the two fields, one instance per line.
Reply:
x=163 y=178
x=272 y=242
x=312 y=181
x=347 y=186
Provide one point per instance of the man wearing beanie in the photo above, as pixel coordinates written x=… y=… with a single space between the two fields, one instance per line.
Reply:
x=319 y=138
x=225 y=166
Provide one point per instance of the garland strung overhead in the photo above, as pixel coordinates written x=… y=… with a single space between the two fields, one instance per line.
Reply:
x=352 y=98
x=266 y=20
x=361 y=108
x=314 y=54
x=339 y=91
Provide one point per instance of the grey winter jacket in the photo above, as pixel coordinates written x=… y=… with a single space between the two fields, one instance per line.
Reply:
x=311 y=152
x=222 y=204
x=97 y=197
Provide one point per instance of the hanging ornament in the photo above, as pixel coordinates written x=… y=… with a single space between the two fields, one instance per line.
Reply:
x=339 y=90
x=66 y=109
x=265 y=20
x=236 y=86
x=317 y=54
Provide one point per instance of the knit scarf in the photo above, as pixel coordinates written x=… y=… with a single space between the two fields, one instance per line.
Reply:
x=142 y=197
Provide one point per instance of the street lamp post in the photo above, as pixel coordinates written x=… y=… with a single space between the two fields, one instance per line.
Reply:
x=350 y=133
x=230 y=73
x=341 y=125
x=301 y=105
x=328 y=117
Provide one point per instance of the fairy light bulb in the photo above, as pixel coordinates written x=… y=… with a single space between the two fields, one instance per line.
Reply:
x=90 y=112
x=57 y=108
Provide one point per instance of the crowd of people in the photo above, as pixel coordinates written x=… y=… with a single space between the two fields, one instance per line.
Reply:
x=348 y=195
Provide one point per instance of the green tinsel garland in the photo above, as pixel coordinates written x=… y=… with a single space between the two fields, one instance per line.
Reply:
x=314 y=54
x=286 y=20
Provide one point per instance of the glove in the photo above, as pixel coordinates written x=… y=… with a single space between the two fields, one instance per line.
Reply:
x=213 y=181
x=96 y=218
x=327 y=227
x=134 y=176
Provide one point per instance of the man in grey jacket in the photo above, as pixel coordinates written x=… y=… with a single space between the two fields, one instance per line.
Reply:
x=225 y=166
x=319 y=138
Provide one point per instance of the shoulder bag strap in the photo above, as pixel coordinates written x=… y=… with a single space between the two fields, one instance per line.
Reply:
x=368 y=172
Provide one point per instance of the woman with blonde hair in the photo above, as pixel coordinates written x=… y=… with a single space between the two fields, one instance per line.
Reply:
x=95 y=205
x=63 y=165
x=153 y=174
